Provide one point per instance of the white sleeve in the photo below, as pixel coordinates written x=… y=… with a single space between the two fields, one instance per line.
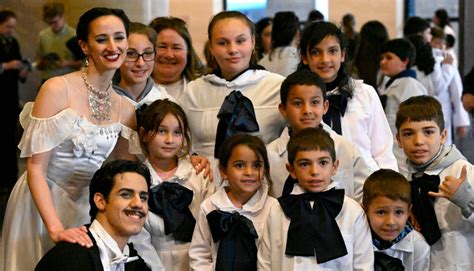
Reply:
x=441 y=77
x=380 y=134
x=146 y=250
x=464 y=196
x=362 y=245
x=461 y=117
x=421 y=254
x=200 y=251
x=264 y=245
x=361 y=171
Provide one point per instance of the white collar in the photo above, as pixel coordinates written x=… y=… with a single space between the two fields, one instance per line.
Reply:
x=110 y=255
x=256 y=203
x=182 y=174
x=249 y=77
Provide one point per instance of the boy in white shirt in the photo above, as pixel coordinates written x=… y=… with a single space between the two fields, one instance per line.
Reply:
x=118 y=195
x=316 y=226
x=303 y=104
x=387 y=203
x=442 y=204
x=398 y=56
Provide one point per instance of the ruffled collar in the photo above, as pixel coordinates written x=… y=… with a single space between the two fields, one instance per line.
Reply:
x=249 y=77
x=182 y=174
x=255 y=204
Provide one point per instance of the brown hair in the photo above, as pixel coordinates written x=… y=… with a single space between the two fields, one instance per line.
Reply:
x=52 y=9
x=139 y=28
x=386 y=183
x=310 y=139
x=152 y=117
x=420 y=108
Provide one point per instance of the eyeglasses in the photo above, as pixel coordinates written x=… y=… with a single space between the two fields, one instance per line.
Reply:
x=133 y=56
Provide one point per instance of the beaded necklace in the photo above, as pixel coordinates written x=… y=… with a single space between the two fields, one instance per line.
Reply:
x=100 y=103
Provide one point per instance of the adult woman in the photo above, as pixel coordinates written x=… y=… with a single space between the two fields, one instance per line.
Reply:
x=77 y=120
x=176 y=61
x=355 y=111
x=236 y=80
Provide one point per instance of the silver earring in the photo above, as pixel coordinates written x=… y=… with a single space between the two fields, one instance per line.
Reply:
x=86 y=63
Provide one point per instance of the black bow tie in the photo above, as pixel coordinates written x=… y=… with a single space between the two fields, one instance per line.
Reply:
x=235 y=115
x=314 y=228
x=337 y=109
x=423 y=206
x=236 y=233
x=383 y=262
x=171 y=202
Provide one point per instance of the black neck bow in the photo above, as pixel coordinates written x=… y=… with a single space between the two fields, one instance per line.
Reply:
x=236 y=233
x=314 y=229
x=337 y=109
x=235 y=115
x=171 y=202
x=383 y=262
x=423 y=206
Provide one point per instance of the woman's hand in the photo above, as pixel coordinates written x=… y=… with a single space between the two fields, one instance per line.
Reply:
x=73 y=235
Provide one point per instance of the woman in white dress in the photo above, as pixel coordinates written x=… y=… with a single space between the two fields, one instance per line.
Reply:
x=76 y=122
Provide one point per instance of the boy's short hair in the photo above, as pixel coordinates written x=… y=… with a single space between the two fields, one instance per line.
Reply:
x=420 y=108
x=437 y=32
x=310 y=139
x=52 y=9
x=415 y=25
x=386 y=183
x=402 y=48
x=301 y=77
x=103 y=180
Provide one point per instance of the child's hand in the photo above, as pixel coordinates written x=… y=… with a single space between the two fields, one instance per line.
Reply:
x=201 y=163
x=72 y=235
x=450 y=185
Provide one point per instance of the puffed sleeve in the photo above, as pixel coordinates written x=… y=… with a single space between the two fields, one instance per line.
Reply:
x=44 y=134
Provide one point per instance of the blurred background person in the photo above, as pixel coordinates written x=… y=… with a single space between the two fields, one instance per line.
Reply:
x=53 y=56
x=283 y=57
x=11 y=71
x=263 y=36
x=350 y=35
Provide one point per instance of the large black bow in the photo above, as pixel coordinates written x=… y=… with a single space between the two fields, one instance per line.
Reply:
x=314 y=228
x=236 y=115
x=423 y=206
x=383 y=262
x=337 y=109
x=236 y=233
x=171 y=202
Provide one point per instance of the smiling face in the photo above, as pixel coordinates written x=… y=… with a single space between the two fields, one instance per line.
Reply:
x=420 y=140
x=136 y=72
x=231 y=45
x=168 y=140
x=106 y=43
x=313 y=169
x=305 y=107
x=391 y=64
x=171 y=57
x=244 y=172
x=387 y=217
x=124 y=212
x=325 y=58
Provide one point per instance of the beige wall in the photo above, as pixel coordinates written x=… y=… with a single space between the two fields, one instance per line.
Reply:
x=389 y=12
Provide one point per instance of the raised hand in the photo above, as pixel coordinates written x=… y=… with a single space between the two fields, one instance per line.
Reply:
x=450 y=185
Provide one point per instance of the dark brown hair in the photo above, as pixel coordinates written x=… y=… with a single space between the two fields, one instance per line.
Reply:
x=386 y=183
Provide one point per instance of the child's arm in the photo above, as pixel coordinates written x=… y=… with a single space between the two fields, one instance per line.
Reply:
x=200 y=251
x=458 y=191
x=264 y=245
x=363 y=251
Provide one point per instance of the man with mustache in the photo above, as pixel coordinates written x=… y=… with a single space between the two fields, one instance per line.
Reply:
x=118 y=196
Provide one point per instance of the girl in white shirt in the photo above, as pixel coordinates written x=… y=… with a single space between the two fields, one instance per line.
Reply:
x=177 y=190
x=215 y=103
x=231 y=221
x=355 y=110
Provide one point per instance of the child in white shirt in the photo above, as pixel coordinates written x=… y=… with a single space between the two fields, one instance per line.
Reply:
x=443 y=204
x=177 y=190
x=232 y=220
x=387 y=202
x=316 y=226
